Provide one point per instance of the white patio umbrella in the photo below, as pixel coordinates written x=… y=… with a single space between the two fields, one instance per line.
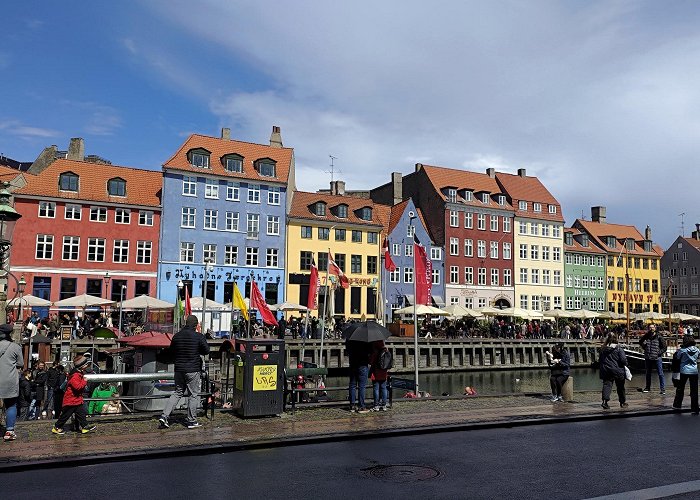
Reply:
x=557 y=313
x=29 y=301
x=459 y=311
x=146 y=302
x=651 y=316
x=288 y=306
x=584 y=314
x=682 y=317
x=489 y=311
x=196 y=304
x=83 y=301
x=518 y=312
x=422 y=310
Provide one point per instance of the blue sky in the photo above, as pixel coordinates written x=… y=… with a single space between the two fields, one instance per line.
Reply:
x=598 y=99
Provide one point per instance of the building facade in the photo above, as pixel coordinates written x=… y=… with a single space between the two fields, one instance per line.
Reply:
x=679 y=275
x=224 y=207
x=585 y=284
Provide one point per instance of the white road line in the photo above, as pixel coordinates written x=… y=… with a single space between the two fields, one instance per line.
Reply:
x=656 y=492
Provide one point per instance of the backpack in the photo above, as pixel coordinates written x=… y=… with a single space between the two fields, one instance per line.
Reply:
x=386 y=360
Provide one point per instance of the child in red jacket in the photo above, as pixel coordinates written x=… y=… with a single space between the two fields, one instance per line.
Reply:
x=73 y=399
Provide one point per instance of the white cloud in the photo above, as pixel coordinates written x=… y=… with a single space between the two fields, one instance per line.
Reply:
x=17 y=128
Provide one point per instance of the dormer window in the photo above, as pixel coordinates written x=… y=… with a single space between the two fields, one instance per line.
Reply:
x=552 y=209
x=648 y=246
x=266 y=168
x=611 y=242
x=233 y=163
x=537 y=207
x=584 y=239
x=629 y=243
x=199 y=158
x=467 y=195
x=568 y=239
x=68 y=182
x=522 y=205
x=485 y=198
x=320 y=209
x=366 y=213
x=452 y=195
x=116 y=187
x=501 y=199
x=342 y=211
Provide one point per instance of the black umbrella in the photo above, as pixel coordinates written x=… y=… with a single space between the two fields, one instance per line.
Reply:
x=366 y=331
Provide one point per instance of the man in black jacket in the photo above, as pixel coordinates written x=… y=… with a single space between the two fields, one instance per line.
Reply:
x=654 y=347
x=187 y=346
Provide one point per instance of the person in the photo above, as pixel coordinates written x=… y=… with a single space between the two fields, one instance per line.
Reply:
x=73 y=402
x=379 y=376
x=40 y=377
x=51 y=383
x=688 y=355
x=654 y=348
x=559 y=363
x=612 y=369
x=60 y=390
x=188 y=346
x=11 y=360
x=25 y=395
x=358 y=358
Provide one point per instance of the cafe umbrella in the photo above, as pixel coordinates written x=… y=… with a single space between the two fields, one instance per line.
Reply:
x=366 y=331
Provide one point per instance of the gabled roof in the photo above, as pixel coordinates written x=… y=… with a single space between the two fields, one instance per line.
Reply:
x=578 y=247
x=600 y=231
x=692 y=242
x=143 y=187
x=397 y=212
x=530 y=189
x=221 y=147
x=303 y=203
x=442 y=178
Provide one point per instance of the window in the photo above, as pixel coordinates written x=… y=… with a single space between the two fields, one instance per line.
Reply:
x=324 y=233
x=96 y=249
x=523 y=251
x=209 y=253
x=481 y=249
x=73 y=212
x=569 y=302
x=356 y=264
x=211 y=218
x=577 y=281
x=273 y=225
x=340 y=234
x=468 y=220
x=506 y=224
x=68 y=287
x=306 y=232
x=186 y=252
x=273 y=195
x=188 y=217
x=552 y=209
x=454 y=246
x=534 y=228
x=545 y=253
x=251 y=256
x=454 y=218
x=523 y=275
x=468 y=275
x=536 y=302
x=494 y=250
x=253 y=193
x=545 y=229
x=232 y=219
x=522 y=228
x=44 y=246
x=120 y=253
x=189 y=186
x=200 y=160
x=556 y=254
x=436 y=276
x=408 y=250
x=410 y=231
x=494 y=223
x=535 y=276
x=507 y=278
x=485 y=198
x=569 y=281
x=372 y=237
x=534 y=252
x=556 y=231
x=545 y=276
x=395 y=249
x=366 y=213
x=253 y=227
x=452 y=195
x=143 y=252
x=408 y=275
x=435 y=253
x=454 y=275
x=506 y=251
x=577 y=259
x=272 y=257
x=494 y=276
x=145 y=218
x=620 y=284
x=371 y=264
x=230 y=255
x=537 y=207
x=481 y=277
x=98 y=214
x=122 y=216
x=68 y=182
x=501 y=200
x=211 y=189
x=266 y=169
x=47 y=209
x=523 y=302
x=584 y=281
x=467 y=195
x=356 y=236
x=481 y=222
x=395 y=275
x=305 y=260
x=116 y=187
x=233 y=164
x=233 y=191
x=522 y=205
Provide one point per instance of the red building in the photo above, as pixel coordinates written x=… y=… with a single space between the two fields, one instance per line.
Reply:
x=82 y=220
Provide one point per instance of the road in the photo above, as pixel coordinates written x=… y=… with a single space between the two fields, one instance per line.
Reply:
x=648 y=457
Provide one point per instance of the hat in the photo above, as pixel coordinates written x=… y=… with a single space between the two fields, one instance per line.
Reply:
x=6 y=330
x=80 y=361
x=191 y=321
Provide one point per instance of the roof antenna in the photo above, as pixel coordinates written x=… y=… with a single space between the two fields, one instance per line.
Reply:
x=332 y=170
x=682 y=216
x=583 y=215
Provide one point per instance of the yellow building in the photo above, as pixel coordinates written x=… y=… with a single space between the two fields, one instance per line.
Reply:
x=352 y=230
x=628 y=254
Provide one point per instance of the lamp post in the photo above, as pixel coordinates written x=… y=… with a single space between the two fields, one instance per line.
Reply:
x=121 y=299
x=411 y=218
x=21 y=285
x=180 y=286
x=8 y=218
x=106 y=279
x=207 y=261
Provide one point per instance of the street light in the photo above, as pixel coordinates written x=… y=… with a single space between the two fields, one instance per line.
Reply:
x=21 y=285
x=8 y=218
x=106 y=278
x=121 y=299
x=180 y=286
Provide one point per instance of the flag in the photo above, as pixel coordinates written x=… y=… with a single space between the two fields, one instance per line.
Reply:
x=238 y=302
x=314 y=284
x=178 y=309
x=334 y=269
x=424 y=273
x=188 y=306
x=258 y=303
x=388 y=262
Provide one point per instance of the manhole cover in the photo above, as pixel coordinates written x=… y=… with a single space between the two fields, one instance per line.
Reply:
x=403 y=473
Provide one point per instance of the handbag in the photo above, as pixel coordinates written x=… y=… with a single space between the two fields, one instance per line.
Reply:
x=628 y=373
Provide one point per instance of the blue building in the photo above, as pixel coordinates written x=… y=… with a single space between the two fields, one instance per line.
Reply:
x=224 y=203
x=405 y=218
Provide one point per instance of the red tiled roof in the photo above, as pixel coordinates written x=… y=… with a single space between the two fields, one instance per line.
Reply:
x=599 y=231
x=8 y=173
x=443 y=177
x=143 y=187
x=221 y=147
x=693 y=242
x=383 y=214
x=529 y=189
x=396 y=213
x=303 y=202
x=578 y=247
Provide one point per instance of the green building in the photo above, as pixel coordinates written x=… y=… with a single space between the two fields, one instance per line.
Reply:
x=584 y=272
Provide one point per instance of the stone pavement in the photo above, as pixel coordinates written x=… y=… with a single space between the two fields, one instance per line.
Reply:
x=122 y=437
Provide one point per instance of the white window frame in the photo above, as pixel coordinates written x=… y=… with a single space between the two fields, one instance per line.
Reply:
x=468 y=247
x=209 y=253
x=233 y=191
x=120 y=251
x=435 y=253
x=273 y=225
x=71 y=210
x=468 y=275
x=272 y=257
x=94 y=246
x=493 y=223
x=230 y=255
x=454 y=275
x=188 y=217
x=274 y=195
x=506 y=224
x=189 y=185
x=72 y=243
x=522 y=205
x=187 y=250
x=468 y=220
x=253 y=193
x=144 y=252
x=232 y=221
x=454 y=246
x=454 y=218
x=44 y=247
x=122 y=216
x=211 y=189
x=211 y=219
x=507 y=278
x=507 y=255
x=145 y=217
x=98 y=214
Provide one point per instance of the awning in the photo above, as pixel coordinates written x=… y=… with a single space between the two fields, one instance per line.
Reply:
x=438 y=301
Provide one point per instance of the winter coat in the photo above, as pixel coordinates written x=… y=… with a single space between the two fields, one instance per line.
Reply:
x=187 y=346
x=74 y=389
x=52 y=378
x=689 y=360
x=612 y=362
x=10 y=359
x=562 y=367
x=40 y=378
x=25 y=393
x=378 y=374
x=358 y=353
x=653 y=344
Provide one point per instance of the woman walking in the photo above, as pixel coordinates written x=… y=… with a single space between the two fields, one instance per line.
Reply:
x=688 y=355
x=612 y=369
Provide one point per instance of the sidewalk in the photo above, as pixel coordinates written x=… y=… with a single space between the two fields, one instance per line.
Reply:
x=139 y=437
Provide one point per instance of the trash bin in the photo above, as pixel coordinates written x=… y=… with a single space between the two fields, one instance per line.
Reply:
x=259 y=384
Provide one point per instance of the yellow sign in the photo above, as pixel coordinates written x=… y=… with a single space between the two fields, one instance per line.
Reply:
x=265 y=378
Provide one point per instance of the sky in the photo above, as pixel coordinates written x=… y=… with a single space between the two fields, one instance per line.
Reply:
x=600 y=100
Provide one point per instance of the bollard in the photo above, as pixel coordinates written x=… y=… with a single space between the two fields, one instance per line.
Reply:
x=567 y=390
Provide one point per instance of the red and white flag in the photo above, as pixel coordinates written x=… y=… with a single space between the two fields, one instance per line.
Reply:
x=188 y=305
x=258 y=303
x=314 y=284
x=424 y=273
x=334 y=269
x=388 y=262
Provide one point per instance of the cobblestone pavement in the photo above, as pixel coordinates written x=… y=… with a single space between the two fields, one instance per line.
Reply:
x=140 y=436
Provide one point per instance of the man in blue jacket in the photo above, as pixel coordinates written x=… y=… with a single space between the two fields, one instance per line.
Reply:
x=188 y=346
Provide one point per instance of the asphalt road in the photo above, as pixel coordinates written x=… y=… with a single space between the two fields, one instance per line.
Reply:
x=645 y=457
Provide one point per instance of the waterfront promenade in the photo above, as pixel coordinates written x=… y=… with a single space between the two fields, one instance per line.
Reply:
x=137 y=437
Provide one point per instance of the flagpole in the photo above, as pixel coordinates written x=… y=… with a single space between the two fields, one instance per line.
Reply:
x=415 y=315
x=325 y=308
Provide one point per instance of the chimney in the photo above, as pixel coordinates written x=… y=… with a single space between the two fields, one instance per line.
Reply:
x=418 y=166
x=598 y=214
x=397 y=187
x=76 y=149
x=696 y=233
x=491 y=172
x=45 y=158
x=226 y=134
x=276 y=137
x=338 y=188
x=521 y=172
x=647 y=233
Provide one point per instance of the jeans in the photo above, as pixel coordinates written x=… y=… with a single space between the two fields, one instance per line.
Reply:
x=607 y=389
x=380 y=390
x=185 y=384
x=10 y=413
x=48 y=401
x=680 y=391
x=556 y=382
x=655 y=364
x=358 y=382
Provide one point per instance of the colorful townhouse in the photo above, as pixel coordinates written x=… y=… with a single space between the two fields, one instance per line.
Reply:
x=224 y=206
x=679 y=275
x=469 y=216
x=87 y=228
x=585 y=284
x=629 y=255
x=405 y=221
x=537 y=242
x=349 y=227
